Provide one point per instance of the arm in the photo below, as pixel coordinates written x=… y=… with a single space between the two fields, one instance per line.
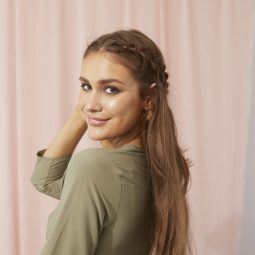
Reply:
x=67 y=139
x=84 y=210
x=48 y=174
x=51 y=163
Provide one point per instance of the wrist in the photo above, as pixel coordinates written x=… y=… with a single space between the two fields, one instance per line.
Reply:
x=79 y=118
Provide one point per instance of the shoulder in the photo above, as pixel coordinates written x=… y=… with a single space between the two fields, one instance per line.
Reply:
x=95 y=161
x=96 y=167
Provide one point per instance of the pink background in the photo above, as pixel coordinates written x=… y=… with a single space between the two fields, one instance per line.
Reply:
x=209 y=50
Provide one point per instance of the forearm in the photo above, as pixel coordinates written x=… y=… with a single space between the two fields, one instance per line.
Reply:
x=67 y=139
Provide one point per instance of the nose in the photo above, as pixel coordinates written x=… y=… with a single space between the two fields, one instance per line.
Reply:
x=92 y=102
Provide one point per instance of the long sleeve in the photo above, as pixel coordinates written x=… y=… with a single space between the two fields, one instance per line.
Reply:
x=84 y=208
x=48 y=174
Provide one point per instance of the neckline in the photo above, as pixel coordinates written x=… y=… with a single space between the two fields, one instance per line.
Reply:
x=132 y=146
x=126 y=146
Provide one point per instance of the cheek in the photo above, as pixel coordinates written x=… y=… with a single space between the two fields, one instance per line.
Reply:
x=122 y=103
x=124 y=112
x=124 y=115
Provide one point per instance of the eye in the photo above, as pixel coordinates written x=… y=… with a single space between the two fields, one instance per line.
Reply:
x=111 y=88
x=83 y=85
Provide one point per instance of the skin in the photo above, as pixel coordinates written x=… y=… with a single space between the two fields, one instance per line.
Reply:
x=122 y=104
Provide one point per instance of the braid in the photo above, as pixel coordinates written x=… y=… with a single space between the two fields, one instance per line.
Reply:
x=164 y=76
x=157 y=68
x=152 y=67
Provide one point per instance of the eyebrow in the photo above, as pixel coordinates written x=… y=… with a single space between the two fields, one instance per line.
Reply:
x=102 y=82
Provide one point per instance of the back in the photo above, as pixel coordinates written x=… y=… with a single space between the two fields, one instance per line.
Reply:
x=104 y=202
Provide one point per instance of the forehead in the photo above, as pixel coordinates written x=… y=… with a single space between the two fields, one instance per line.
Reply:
x=97 y=66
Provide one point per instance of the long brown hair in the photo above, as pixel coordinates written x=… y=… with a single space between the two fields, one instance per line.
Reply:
x=168 y=169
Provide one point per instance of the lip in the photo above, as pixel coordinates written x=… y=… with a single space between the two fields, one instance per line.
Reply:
x=96 y=121
x=94 y=118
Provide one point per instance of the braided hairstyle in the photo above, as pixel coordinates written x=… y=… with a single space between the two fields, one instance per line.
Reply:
x=168 y=169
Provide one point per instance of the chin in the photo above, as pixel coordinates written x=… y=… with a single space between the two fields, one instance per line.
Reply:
x=96 y=135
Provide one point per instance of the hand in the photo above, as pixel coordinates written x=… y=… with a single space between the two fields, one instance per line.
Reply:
x=80 y=105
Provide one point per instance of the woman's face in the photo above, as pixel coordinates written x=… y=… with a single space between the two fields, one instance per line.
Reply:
x=118 y=103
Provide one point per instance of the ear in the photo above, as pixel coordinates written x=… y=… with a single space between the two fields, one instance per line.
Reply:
x=147 y=103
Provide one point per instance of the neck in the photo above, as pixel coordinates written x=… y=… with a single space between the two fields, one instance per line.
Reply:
x=109 y=145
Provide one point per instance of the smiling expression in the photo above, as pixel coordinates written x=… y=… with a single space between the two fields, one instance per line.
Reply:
x=109 y=92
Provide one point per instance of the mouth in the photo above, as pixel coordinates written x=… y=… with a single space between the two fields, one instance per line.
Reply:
x=96 y=121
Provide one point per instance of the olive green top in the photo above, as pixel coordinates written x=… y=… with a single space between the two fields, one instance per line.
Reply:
x=104 y=201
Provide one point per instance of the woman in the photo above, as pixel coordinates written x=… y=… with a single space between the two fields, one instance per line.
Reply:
x=128 y=197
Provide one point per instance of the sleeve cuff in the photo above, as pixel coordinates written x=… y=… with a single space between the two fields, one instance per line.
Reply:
x=40 y=154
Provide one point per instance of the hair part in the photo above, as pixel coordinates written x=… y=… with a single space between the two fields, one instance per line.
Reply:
x=168 y=170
